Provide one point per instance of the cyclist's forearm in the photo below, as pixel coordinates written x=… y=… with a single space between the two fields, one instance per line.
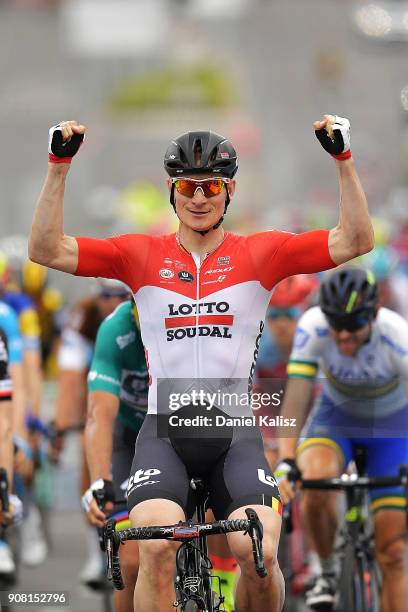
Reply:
x=33 y=379
x=297 y=398
x=102 y=411
x=70 y=406
x=354 y=234
x=98 y=447
x=18 y=402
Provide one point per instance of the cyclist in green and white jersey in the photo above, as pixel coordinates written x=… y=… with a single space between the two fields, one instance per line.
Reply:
x=118 y=383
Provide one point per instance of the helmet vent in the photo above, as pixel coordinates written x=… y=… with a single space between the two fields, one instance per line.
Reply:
x=198 y=152
x=182 y=155
x=214 y=155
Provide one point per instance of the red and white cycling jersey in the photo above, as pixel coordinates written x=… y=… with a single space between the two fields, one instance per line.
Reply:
x=202 y=319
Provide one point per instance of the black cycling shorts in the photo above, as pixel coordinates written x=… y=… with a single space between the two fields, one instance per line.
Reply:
x=236 y=471
x=123 y=450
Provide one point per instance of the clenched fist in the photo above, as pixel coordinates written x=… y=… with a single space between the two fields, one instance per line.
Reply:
x=333 y=133
x=64 y=141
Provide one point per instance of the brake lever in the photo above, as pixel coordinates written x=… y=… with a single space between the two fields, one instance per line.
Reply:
x=255 y=531
x=100 y=500
x=108 y=541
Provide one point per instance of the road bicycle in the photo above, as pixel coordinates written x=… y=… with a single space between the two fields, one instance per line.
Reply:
x=359 y=584
x=195 y=586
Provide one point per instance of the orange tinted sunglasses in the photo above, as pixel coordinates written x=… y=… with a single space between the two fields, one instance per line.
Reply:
x=210 y=187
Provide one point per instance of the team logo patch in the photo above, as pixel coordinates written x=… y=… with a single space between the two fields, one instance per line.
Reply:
x=267 y=478
x=166 y=273
x=185 y=276
x=223 y=261
x=141 y=478
x=301 y=337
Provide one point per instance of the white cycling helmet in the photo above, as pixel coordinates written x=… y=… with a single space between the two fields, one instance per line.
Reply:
x=111 y=287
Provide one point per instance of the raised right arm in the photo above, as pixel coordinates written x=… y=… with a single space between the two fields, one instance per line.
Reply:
x=122 y=257
x=48 y=245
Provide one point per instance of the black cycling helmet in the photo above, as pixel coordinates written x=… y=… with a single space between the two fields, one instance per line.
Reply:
x=349 y=291
x=201 y=153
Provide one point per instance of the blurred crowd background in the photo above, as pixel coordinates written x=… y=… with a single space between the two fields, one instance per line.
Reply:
x=138 y=73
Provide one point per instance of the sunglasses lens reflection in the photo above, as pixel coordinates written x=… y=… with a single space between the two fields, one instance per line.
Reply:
x=211 y=187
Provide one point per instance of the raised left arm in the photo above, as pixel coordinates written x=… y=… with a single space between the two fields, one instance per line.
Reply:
x=353 y=235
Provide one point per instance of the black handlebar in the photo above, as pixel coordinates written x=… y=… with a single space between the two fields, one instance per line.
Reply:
x=348 y=483
x=351 y=481
x=182 y=532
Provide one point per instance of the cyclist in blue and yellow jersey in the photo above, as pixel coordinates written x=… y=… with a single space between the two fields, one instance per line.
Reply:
x=24 y=308
x=12 y=349
x=10 y=326
x=29 y=326
x=361 y=352
x=6 y=439
x=49 y=304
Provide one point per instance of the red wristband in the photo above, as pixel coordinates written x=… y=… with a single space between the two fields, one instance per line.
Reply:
x=54 y=159
x=342 y=156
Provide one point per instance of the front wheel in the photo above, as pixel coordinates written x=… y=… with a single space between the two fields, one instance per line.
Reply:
x=191 y=606
x=359 y=584
x=371 y=580
x=350 y=587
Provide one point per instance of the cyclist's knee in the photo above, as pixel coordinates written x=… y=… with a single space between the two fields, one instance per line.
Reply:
x=157 y=553
x=129 y=562
x=319 y=462
x=393 y=555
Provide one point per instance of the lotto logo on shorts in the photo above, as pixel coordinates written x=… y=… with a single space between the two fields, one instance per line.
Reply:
x=267 y=478
x=142 y=477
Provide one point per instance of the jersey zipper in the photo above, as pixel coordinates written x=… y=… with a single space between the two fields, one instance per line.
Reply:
x=197 y=261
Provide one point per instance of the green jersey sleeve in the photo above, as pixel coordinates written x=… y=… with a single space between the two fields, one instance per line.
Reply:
x=106 y=367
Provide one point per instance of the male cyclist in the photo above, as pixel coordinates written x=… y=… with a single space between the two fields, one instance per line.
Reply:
x=49 y=304
x=23 y=306
x=201 y=296
x=289 y=300
x=11 y=421
x=118 y=384
x=362 y=352
x=74 y=359
x=14 y=511
x=6 y=435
